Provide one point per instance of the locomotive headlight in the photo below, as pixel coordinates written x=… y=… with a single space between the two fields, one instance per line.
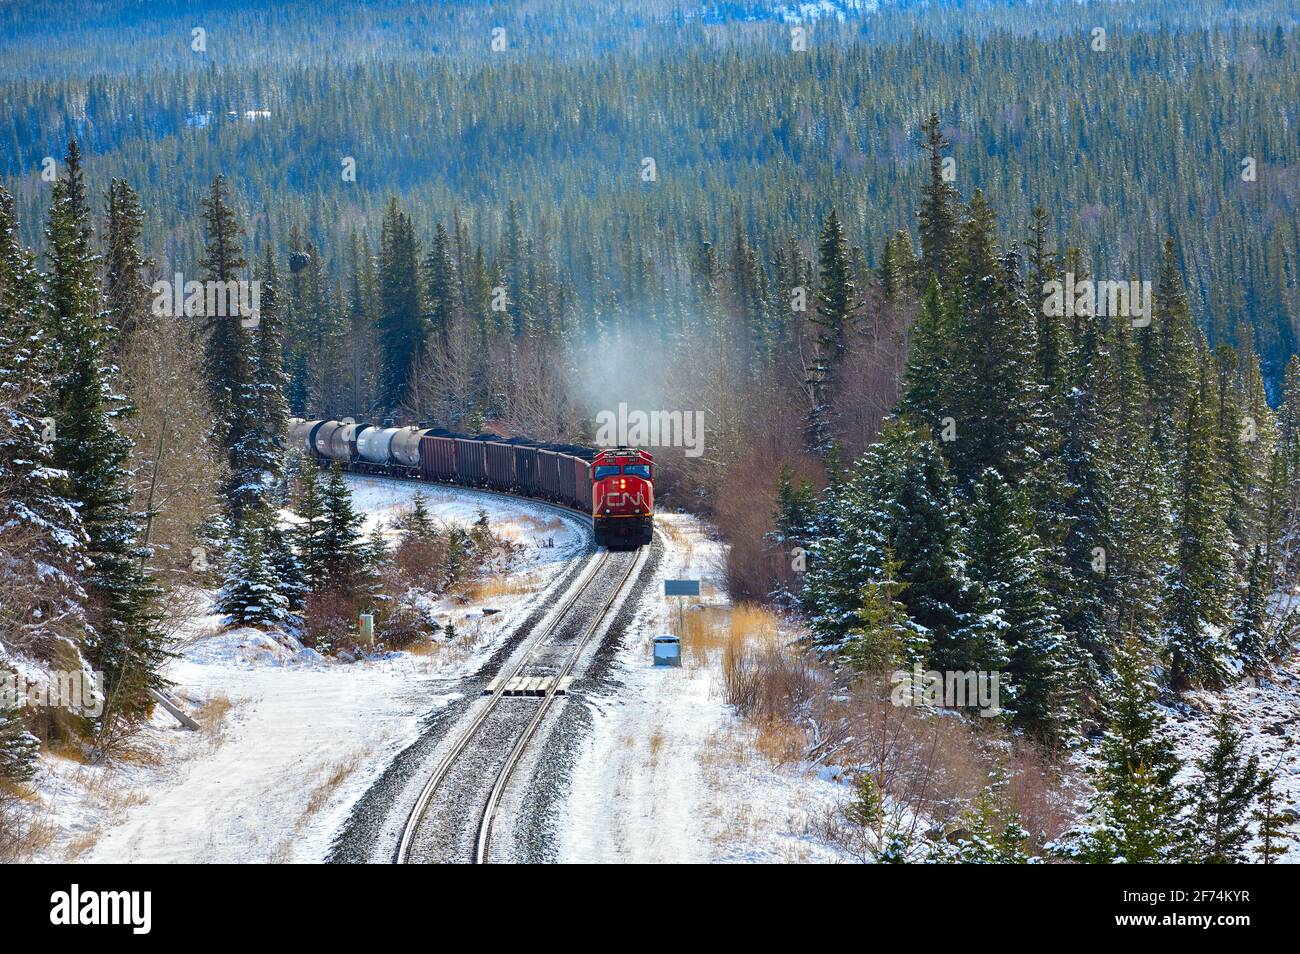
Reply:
x=622 y=482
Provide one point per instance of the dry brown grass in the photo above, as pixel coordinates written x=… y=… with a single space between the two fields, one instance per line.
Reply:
x=497 y=586
x=81 y=844
x=24 y=830
x=332 y=776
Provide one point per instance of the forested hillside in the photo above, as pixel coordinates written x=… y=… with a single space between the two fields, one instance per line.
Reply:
x=1123 y=145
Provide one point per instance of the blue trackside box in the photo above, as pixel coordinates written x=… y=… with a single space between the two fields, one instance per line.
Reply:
x=681 y=587
x=668 y=651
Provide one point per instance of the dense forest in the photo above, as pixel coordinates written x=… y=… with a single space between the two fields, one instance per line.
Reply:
x=842 y=255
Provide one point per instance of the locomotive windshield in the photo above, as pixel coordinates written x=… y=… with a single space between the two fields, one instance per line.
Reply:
x=638 y=470
x=606 y=470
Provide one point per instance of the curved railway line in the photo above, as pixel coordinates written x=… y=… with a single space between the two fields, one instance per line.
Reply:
x=506 y=724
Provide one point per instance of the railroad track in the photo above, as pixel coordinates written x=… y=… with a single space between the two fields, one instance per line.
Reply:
x=573 y=651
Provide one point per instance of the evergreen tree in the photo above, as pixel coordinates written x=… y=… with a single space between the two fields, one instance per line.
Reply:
x=127 y=297
x=1272 y=820
x=18 y=747
x=985 y=837
x=899 y=499
x=400 y=330
x=286 y=568
x=226 y=347
x=1134 y=818
x=1248 y=635
x=1202 y=574
x=260 y=422
x=252 y=594
x=38 y=524
x=340 y=542
x=1170 y=345
x=309 y=533
x=837 y=307
x=927 y=379
x=418 y=523
x=124 y=641
x=1004 y=557
x=883 y=636
x=996 y=399
x=937 y=217
x=1218 y=829
x=443 y=291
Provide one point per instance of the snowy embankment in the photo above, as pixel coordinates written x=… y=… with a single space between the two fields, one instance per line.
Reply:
x=290 y=740
x=1267 y=713
x=669 y=773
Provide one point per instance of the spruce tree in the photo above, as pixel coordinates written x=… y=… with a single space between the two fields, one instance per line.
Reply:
x=251 y=595
x=340 y=543
x=417 y=525
x=38 y=524
x=883 y=636
x=1004 y=556
x=400 y=328
x=995 y=396
x=899 y=499
x=1218 y=829
x=226 y=347
x=1134 y=818
x=18 y=747
x=127 y=297
x=1249 y=636
x=1202 y=575
x=309 y=532
x=124 y=640
x=837 y=307
x=1272 y=820
x=938 y=216
x=928 y=393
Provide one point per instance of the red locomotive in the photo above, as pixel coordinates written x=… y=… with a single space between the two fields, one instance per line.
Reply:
x=623 y=497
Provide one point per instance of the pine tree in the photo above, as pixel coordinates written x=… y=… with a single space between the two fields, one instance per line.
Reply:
x=308 y=534
x=124 y=642
x=937 y=217
x=1218 y=830
x=1248 y=635
x=126 y=295
x=18 y=747
x=837 y=307
x=1004 y=556
x=1272 y=821
x=42 y=539
x=252 y=593
x=1202 y=574
x=340 y=542
x=226 y=347
x=417 y=525
x=400 y=330
x=1134 y=818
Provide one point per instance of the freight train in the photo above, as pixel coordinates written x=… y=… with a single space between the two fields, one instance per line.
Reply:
x=615 y=487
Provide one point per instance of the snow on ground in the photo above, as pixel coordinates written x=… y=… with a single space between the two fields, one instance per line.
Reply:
x=290 y=740
x=669 y=773
x=1267 y=712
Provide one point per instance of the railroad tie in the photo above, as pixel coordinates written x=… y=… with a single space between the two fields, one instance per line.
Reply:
x=529 y=686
